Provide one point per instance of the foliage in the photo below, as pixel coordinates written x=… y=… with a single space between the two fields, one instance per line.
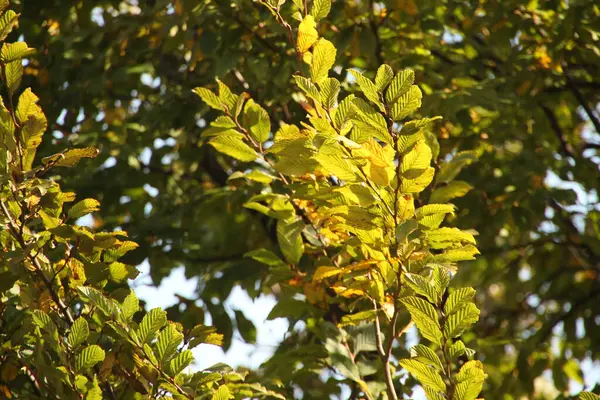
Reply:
x=69 y=326
x=515 y=81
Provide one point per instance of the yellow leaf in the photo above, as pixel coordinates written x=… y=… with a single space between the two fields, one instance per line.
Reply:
x=307 y=33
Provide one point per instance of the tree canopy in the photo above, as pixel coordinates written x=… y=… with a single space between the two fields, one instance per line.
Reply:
x=515 y=154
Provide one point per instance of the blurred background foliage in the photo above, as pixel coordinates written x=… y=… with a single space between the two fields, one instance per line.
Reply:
x=519 y=81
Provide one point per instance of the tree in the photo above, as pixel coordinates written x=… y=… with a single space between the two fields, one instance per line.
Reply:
x=515 y=83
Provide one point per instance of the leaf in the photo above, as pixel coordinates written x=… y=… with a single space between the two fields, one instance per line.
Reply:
x=416 y=160
x=202 y=334
x=323 y=59
x=442 y=238
x=266 y=257
x=43 y=320
x=461 y=320
x=384 y=76
x=234 y=147
x=208 y=97
x=358 y=318
x=320 y=9
x=222 y=393
x=338 y=166
x=15 y=52
x=307 y=34
x=457 y=299
x=341 y=358
x=290 y=239
x=451 y=191
x=290 y=308
x=8 y=21
x=330 y=90
x=84 y=207
x=130 y=306
x=457 y=349
x=105 y=304
x=180 y=362
x=88 y=357
x=368 y=88
x=245 y=327
x=307 y=87
x=424 y=374
x=325 y=272
x=257 y=120
x=226 y=97
x=79 y=332
x=464 y=253
x=13 y=72
x=344 y=111
x=151 y=324
x=401 y=83
x=27 y=105
x=469 y=381
x=588 y=396
x=407 y=103
x=70 y=157
x=419 y=183
x=421 y=286
x=424 y=317
x=449 y=171
x=166 y=344
x=426 y=355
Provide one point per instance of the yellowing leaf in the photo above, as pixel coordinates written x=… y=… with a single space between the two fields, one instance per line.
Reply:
x=307 y=33
x=323 y=59
x=418 y=184
x=416 y=160
x=325 y=272
x=399 y=85
x=211 y=99
x=15 y=52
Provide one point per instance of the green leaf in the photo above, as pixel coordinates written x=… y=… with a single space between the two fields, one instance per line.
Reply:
x=211 y=99
x=88 y=357
x=15 y=52
x=130 y=306
x=358 y=318
x=226 y=97
x=84 y=207
x=407 y=103
x=8 y=21
x=290 y=308
x=222 y=393
x=342 y=359
x=43 y=320
x=323 y=59
x=266 y=257
x=424 y=317
x=416 y=160
x=464 y=253
x=424 y=354
x=588 y=396
x=290 y=239
x=457 y=299
x=70 y=157
x=202 y=334
x=79 y=332
x=461 y=320
x=151 y=324
x=449 y=171
x=307 y=87
x=343 y=111
x=424 y=374
x=451 y=191
x=442 y=238
x=419 y=183
x=234 y=147
x=368 y=88
x=338 y=166
x=330 y=90
x=166 y=344
x=401 y=83
x=422 y=286
x=94 y=296
x=245 y=327
x=384 y=76
x=257 y=121
x=14 y=74
x=180 y=362
x=457 y=349
x=320 y=9
x=469 y=381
